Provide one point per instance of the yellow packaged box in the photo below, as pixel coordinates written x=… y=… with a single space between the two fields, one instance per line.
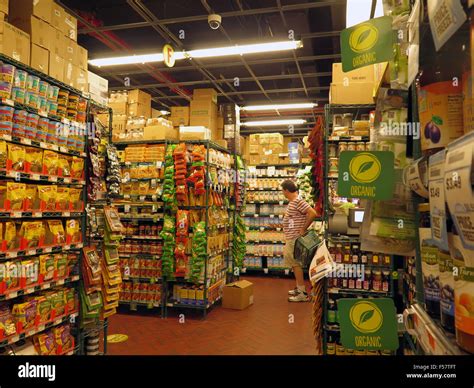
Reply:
x=21 y=9
x=254 y=149
x=206 y=94
x=39 y=58
x=363 y=74
x=179 y=115
x=254 y=139
x=275 y=138
x=14 y=43
x=237 y=295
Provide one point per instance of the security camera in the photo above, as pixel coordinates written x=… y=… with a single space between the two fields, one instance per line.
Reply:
x=214 y=21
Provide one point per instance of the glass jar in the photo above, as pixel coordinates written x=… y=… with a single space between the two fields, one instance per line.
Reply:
x=355 y=254
x=385 y=280
x=367 y=283
x=351 y=147
x=339 y=253
x=377 y=280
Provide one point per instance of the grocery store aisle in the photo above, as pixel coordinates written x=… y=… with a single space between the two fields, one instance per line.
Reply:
x=272 y=326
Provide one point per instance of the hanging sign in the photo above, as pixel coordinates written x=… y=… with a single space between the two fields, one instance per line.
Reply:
x=367 y=43
x=446 y=16
x=366 y=175
x=168 y=55
x=369 y=324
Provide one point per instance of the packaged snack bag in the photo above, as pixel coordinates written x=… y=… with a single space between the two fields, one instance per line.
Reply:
x=16 y=194
x=61 y=265
x=44 y=344
x=32 y=198
x=77 y=167
x=33 y=233
x=62 y=336
x=43 y=308
x=57 y=230
x=30 y=271
x=34 y=159
x=47 y=267
x=64 y=163
x=62 y=198
x=48 y=195
x=75 y=196
x=71 y=299
x=50 y=162
x=7 y=321
x=59 y=302
x=3 y=196
x=17 y=156
x=73 y=231
x=13 y=274
x=3 y=154
x=25 y=313
x=10 y=236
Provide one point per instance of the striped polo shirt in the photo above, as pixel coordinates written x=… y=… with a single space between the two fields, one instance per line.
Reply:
x=295 y=217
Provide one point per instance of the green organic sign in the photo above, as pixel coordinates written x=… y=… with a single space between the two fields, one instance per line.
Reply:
x=364 y=174
x=367 y=43
x=368 y=324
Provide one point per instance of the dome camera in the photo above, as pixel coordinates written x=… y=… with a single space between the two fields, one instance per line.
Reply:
x=214 y=21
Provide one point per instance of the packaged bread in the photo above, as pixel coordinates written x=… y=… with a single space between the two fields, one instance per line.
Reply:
x=47 y=194
x=17 y=156
x=47 y=266
x=32 y=199
x=62 y=198
x=77 y=167
x=57 y=231
x=33 y=233
x=16 y=195
x=50 y=162
x=10 y=236
x=73 y=231
x=34 y=159
x=64 y=163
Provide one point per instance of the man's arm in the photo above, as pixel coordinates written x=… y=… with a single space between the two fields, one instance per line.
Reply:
x=310 y=217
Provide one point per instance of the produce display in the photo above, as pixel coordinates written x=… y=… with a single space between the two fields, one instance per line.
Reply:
x=169 y=246
x=169 y=188
x=239 y=246
x=303 y=181
x=199 y=252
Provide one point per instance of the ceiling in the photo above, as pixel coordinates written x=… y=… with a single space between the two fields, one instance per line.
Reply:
x=113 y=28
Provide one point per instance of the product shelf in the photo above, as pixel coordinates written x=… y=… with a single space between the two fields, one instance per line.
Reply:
x=294 y=165
x=262 y=228
x=40 y=251
x=154 y=218
x=133 y=304
x=265 y=242
x=142 y=238
x=158 y=180
x=251 y=215
x=347 y=138
x=22 y=176
x=158 y=164
x=268 y=202
x=335 y=290
x=42 y=145
x=142 y=255
x=45 y=326
x=139 y=198
x=31 y=289
x=135 y=279
x=263 y=189
x=39 y=214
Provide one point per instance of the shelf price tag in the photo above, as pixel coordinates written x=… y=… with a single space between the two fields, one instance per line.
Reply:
x=47 y=250
x=53 y=179
x=31 y=252
x=8 y=102
x=126 y=208
x=271 y=171
x=25 y=141
x=280 y=202
x=142 y=197
x=272 y=215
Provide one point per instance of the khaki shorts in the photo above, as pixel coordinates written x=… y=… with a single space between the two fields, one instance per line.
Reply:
x=289 y=254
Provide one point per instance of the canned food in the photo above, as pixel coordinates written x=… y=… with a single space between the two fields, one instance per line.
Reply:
x=6 y=113
x=32 y=120
x=43 y=89
x=73 y=102
x=351 y=147
x=18 y=130
x=53 y=92
x=61 y=112
x=360 y=146
x=342 y=146
x=19 y=80
x=6 y=127
x=32 y=83
x=52 y=108
x=30 y=132
x=43 y=104
x=5 y=89
x=19 y=117
x=42 y=130
x=71 y=114
x=63 y=97
x=31 y=99
x=54 y=128
x=8 y=73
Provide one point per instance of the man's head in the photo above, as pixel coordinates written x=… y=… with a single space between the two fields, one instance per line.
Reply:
x=289 y=189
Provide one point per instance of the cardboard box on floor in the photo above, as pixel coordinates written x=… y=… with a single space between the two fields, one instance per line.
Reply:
x=23 y=9
x=39 y=58
x=15 y=43
x=237 y=295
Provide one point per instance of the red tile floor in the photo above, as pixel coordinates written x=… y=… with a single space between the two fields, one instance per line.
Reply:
x=272 y=326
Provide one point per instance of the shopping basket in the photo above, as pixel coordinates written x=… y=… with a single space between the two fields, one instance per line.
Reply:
x=305 y=247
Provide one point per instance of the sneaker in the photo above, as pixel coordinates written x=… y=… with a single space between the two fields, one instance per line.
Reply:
x=293 y=292
x=301 y=297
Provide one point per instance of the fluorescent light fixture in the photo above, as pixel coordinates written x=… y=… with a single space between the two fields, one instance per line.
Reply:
x=267 y=123
x=165 y=112
x=358 y=11
x=203 y=53
x=302 y=105
x=246 y=49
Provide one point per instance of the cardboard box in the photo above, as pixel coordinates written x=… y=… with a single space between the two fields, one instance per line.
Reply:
x=56 y=67
x=220 y=122
x=219 y=134
x=180 y=115
x=364 y=74
x=273 y=159
x=57 y=17
x=39 y=58
x=14 y=43
x=69 y=26
x=119 y=123
x=237 y=295
x=207 y=94
x=58 y=43
x=81 y=58
x=138 y=110
x=203 y=113
x=80 y=79
x=70 y=50
x=119 y=108
x=257 y=159
x=41 y=33
x=4 y=6
x=160 y=132
x=139 y=96
x=275 y=138
x=98 y=88
x=23 y=9
x=254 y=139
x=222 y=143
x=254 y=149
x=194 y=133
x=360 y=94
x=68 y=76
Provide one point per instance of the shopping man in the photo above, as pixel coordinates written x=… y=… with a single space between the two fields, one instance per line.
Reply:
x=298 y=217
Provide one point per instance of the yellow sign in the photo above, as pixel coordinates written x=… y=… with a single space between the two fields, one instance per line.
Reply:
x=366 y=317
x=365 y=168
x=116 y=338
x=364 y=37
x=168 y=55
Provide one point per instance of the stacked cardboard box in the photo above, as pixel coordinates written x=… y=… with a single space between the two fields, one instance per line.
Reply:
x=265 y=148
x=14 y=43
x=203 y=109
x=98 y=88
x=53 y=33
x=179 y=115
